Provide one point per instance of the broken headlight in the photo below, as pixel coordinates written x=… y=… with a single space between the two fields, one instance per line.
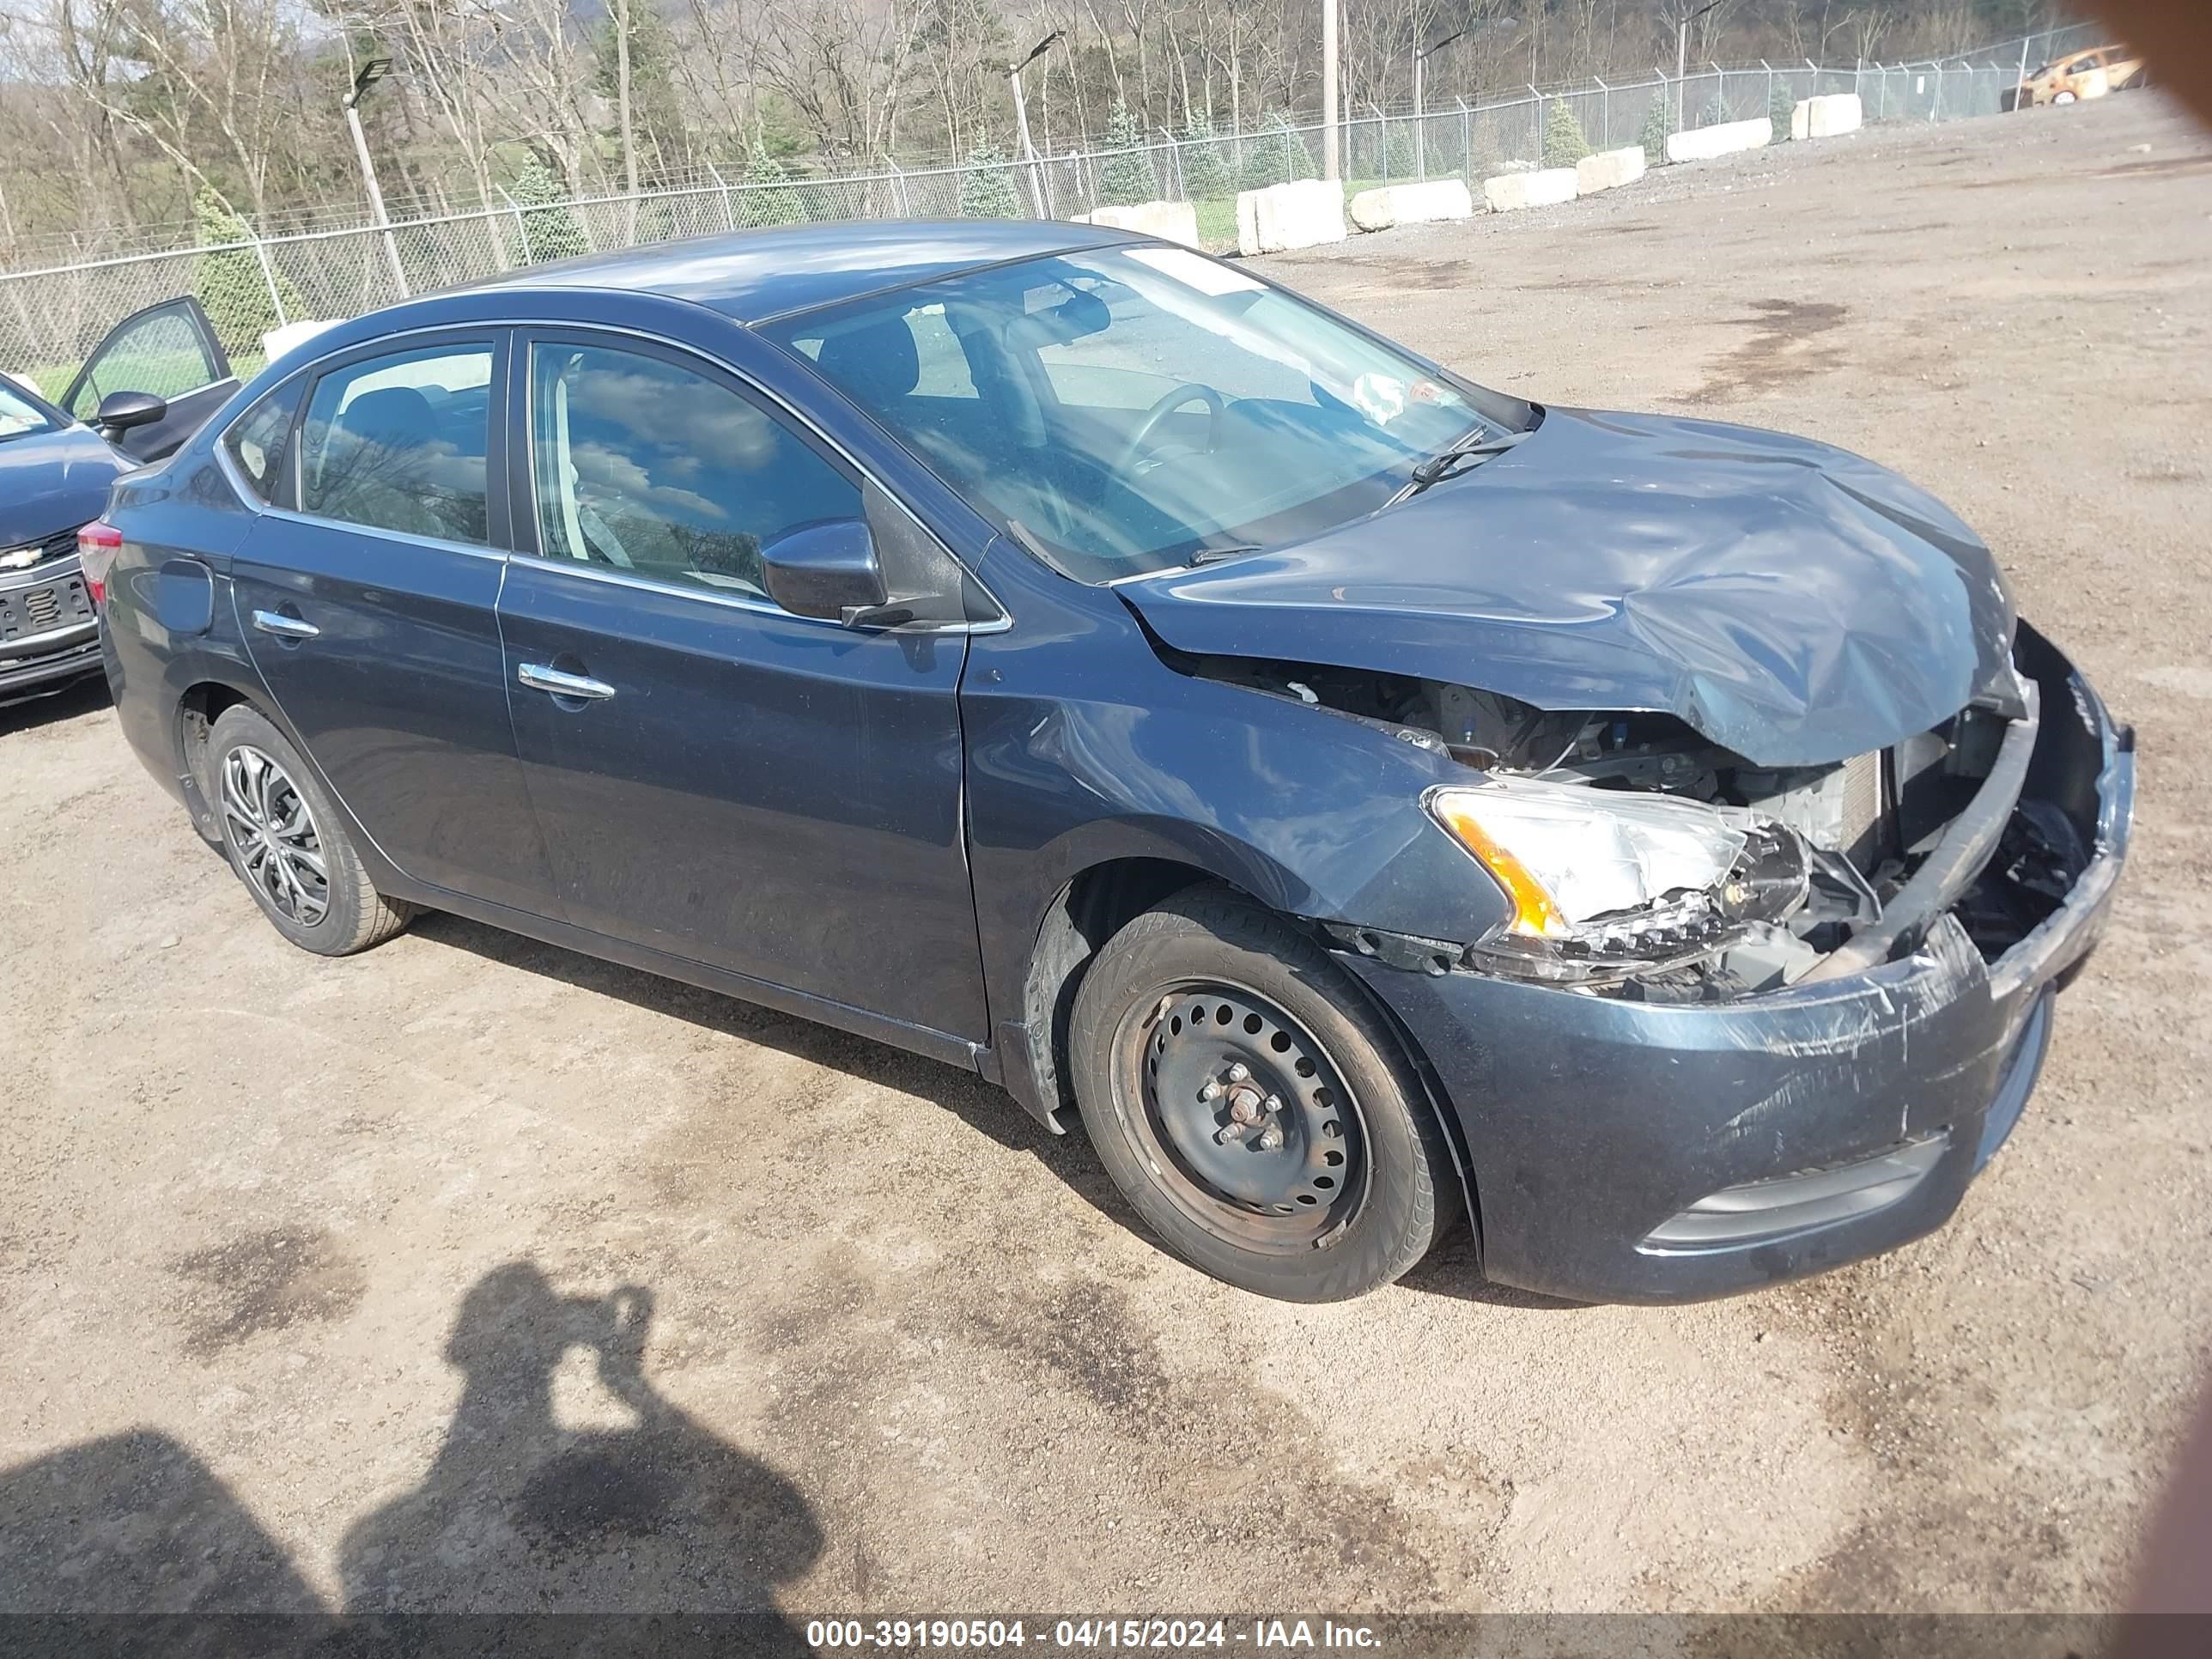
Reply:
x=1609 y=878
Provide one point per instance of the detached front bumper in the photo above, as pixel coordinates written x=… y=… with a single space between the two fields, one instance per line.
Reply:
x=1648 y=1152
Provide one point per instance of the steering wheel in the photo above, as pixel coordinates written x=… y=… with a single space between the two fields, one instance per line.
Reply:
x=1188 y=392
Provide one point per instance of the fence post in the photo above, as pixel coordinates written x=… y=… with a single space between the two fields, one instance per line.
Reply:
x=1769 y=68
x=1935 y=109
x=520 y=229
x=1466 y=139
x=1539 y=107
x=729 y=209
x=1175 y=161
x=1604 y=112
x=269 y=276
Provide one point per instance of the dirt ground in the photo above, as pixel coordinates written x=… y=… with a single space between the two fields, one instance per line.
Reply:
x=470 y=1272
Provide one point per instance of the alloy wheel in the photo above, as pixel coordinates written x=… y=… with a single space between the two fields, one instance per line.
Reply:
x=273 y=832
x=1254 y=1132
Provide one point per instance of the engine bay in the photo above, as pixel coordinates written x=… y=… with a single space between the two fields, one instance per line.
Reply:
x=1825 y=850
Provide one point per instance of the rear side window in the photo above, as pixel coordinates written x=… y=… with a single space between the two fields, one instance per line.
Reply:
x=256 y=439
x=399 y=443
x=648 y=467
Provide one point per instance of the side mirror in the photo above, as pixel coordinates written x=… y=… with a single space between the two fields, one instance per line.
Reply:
x=831 y=570
x=121 y=410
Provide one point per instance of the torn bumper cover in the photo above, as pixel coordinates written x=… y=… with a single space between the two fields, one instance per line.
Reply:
x=1630 y=1150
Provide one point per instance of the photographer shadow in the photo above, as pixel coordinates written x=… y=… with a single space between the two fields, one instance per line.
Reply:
x=518 y=1516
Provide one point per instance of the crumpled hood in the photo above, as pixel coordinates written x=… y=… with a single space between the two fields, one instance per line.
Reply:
x=1792 y=602
x=54 y=481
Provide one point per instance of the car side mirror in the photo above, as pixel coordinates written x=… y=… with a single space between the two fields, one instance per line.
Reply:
x=121 y=410
x=831 y=570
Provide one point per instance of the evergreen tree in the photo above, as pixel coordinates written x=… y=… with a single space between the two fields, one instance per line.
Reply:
x=1398 y=154
x=987 y=187
x=1128 y=177
x=1205 y=171
x=1277 y=155
x=656 y=108
x=777 y=205
x=1780 y=108
x=1564 y=143
x=1717 y=112
x=1658 y=126
x=549 y=230
x=231 y=286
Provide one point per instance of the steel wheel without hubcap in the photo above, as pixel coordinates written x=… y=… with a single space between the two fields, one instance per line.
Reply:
x=1252 y=1131
x=279 y=849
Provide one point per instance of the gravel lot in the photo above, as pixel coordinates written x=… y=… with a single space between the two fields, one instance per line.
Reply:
x=468 y=1273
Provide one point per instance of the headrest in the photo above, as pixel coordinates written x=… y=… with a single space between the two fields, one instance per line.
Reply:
x=877 y=364
x=395 y=417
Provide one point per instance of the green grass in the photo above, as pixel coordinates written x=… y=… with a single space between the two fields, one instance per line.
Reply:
x=1217 y=218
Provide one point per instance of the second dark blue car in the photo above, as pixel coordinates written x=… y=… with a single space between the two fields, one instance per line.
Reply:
x=1363 y=797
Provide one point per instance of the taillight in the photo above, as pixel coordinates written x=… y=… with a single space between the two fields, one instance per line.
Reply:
x=97 y=544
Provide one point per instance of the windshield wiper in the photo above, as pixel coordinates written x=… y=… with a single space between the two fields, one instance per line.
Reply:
x=1215 y=555
x=1470 y=451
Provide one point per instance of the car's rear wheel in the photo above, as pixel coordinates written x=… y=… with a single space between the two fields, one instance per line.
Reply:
x=285 y=841
x=1252 y=1106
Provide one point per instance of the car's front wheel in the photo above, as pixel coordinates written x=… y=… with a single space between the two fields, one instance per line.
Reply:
x=1252 y=1106
x=283 y=838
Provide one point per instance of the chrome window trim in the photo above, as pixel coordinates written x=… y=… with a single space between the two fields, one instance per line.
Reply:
x=407 y=538
x=313 y=367
x=616 y=578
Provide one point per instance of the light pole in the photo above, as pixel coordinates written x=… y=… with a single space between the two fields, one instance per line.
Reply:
x=1682 y=61
x=1022 y=120
x=371 y=72
x=1421 y=124
x=1331 y=159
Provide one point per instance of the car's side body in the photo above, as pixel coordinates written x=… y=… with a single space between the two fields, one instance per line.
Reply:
x=922 y=834
x=2079 y=75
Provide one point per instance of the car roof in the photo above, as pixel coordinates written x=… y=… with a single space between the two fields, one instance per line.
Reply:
x=756 y=275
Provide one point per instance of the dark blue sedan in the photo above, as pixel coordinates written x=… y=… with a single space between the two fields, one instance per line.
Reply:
x=1362 y=797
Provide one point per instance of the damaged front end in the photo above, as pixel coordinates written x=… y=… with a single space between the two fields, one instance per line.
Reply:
x=1642 y=860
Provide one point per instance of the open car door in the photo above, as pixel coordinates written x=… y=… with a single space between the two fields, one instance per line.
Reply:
x=169 y=350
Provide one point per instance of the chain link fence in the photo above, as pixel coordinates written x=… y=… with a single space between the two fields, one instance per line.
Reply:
x=51 y=318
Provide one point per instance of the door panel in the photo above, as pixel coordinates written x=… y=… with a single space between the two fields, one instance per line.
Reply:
x=377 y=635
x=169 y=350
x=399 y=695
x=772 y=795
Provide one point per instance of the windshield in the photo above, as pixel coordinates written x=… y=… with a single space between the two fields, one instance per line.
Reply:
x=19 y=415
x=1131 y=408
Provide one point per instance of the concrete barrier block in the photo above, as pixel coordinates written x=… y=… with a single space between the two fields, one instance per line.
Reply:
x=1608 y=169
x=1173 y=222
x=281 y=338
x=1838 y=113
x=24 y=381
x=1801 y=120
x=1703 y=144
x=1302 y=214
x=1547 y=187
x=1411 y=204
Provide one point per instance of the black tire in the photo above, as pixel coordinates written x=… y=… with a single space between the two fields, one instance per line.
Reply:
x=334 y=916
x=1357 y=1184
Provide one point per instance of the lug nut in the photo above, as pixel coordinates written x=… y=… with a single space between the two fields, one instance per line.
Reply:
x=1271 y=1137
x=1212 y=1089
x=1239 y=1071
x=1272 y=1103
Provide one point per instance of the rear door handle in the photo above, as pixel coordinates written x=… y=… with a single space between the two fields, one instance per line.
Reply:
x=284 y=627
x=544 y=677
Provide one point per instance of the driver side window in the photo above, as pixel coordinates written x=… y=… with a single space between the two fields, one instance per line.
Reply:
x=642 y=465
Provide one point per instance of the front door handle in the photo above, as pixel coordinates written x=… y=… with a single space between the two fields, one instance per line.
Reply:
x=544 y=677
x=284 y=627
